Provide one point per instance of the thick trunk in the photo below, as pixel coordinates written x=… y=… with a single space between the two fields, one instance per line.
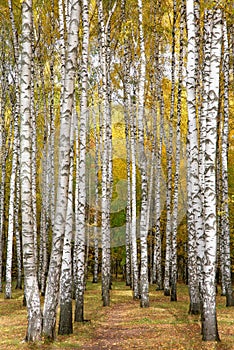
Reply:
x=194 y=201
x=30 y=274
x=52 y=288
x=209 y=318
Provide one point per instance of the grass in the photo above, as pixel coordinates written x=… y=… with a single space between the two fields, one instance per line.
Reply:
x=123 y=325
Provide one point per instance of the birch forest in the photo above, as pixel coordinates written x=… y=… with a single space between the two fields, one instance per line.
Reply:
x=116 y=155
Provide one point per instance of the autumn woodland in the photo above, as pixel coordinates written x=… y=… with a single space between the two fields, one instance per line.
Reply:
x=116 y=159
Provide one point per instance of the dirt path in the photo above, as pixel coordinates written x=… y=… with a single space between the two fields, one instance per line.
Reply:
x=117 y=330
x=125 y=326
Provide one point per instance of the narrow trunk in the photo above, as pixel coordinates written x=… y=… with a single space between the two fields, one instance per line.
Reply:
x=65 y=319
x=144 y=283
x=167 y=273
x=96 y=250
x=80 y=211
x=225 y=260
x=177 y=164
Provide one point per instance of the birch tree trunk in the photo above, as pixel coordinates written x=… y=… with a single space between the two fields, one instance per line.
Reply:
x=134 y=260
x=157 y=263
x=34 y=158
x=18 y=230
x=106 y=154
x=194 y=202
x=81 y=179
x=177 y=164
x=52 y=288
x=65 y=319
x=11 y=212
x=225 y=261
x=96 y=250
x=144 y=283
x=209 y=317
x=126 y=70
x=169 y=163
x=130 y=114
x=128 y=205
x=2 y=155
x=30 y=274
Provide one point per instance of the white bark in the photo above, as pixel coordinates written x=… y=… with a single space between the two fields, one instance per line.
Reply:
x=52 y=288
x=96 y=206
x=169 y=164
x=65 y=320
x=81 y=174
x=194 y=201
x=144 y=283
x=106 y=153
x=225 y=225
x=133 y=227
x=209 y=317
x=157 y=263
x=11 y=212
x=30 y=275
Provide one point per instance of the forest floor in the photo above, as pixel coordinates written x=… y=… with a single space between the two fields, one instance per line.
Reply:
x=123 y=325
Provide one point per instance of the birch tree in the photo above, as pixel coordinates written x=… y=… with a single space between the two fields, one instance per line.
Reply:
x=130 y=131
x=144 y=283
x=66 y=281
x=106 y=151
x=193 y=187
x=81 y=173
x=11 y=212
x=128 y=156
x=209 y=317
x=177 y=163
x=224 y=239
x=169 y=162
x=30 y=274
x=52 y=288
